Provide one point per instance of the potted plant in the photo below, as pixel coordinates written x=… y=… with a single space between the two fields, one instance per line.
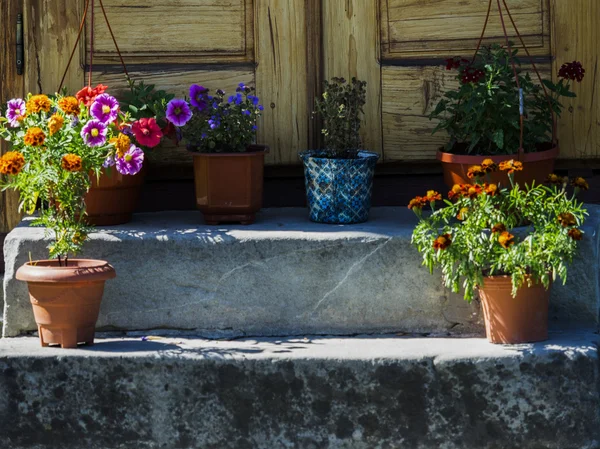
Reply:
x=58 y=145
x=506 y=241
x=228 y=166
x=113 y=195
x=491 y=113
x=339 y=178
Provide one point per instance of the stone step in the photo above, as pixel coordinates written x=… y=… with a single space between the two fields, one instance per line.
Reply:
x=353 y=393
x=281 y=276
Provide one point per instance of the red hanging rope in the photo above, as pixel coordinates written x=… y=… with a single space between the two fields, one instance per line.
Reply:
x=87 y=4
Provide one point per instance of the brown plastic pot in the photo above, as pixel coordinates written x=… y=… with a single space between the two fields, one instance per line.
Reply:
x=66 y=300
x=536 y=167
x=508 y=320
x=113 y=197
x=229 y=186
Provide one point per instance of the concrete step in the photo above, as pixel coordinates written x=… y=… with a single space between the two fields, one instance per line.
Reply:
x=354 y=393
x=281 y=276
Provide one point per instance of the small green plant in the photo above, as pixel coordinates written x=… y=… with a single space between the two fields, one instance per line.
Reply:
x=481 y=115
x=145 y=101
x=341 y=107
x=530 y=233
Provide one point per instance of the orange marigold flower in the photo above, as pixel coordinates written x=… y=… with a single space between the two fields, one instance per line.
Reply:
x=511 y=166
x=473 y=191
x=432 y=195
x=498 y=228
x=418 y=202
x=456 y=191
x=11 y=163
x=567 y=219
x=34 y=137
x=69 y=105
x=55 y=123
x=71 y=162
x=580 y=183
x=461 y=213
x=489 y=165
x=121 y=143
x=442 y=241
x=575 y=234
x=506 y=239
x=490 y=189
x=553 y=178
x=38 y=103
x=475 y=171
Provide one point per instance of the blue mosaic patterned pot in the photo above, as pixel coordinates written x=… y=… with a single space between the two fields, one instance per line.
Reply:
x=339 y=190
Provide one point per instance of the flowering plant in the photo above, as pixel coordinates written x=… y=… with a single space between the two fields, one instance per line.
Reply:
x=57 y=144
x=482 y=114
x=486 y=229
x=210 y=124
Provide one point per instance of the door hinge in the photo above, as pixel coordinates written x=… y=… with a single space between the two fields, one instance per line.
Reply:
x=20 y=48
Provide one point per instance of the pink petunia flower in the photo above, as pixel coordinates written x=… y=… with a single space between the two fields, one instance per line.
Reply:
x=147 y=132
x=94 y=133
x=15 y=112
x=105 y=108
x=131 y=162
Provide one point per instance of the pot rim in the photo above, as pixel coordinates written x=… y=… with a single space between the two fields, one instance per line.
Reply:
x=506 y=279
x=475 y=159
x=46 y=271
x=364 y=155
x=255 y=149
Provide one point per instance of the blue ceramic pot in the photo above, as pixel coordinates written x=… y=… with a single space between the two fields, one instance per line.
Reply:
x=339 y=190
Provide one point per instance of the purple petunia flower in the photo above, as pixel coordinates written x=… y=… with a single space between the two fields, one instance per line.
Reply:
x=94 y=133
x=198 y=96
x=131 y=162
x=105 y=108
x=15 y=111
x=178 y=112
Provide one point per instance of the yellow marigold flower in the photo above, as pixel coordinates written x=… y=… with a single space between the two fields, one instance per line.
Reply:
x=553 y=178
x=442 y=241
x=69 y=105
x=567 y=219
x=55 y=123
x=506 y=239
x=457 y=191
x=34 y=137
x=580 y=183
x=473 y=191
x=511 y=166
x=11 y=163
x=418 y=202
x=575 y=234
x=490 y=189
x=71 y=162
x=498 y=228
x=432 y=195
x=475 y=171
x=461 y=213
x=489 y=165
x=38 y=103
x=121 y=143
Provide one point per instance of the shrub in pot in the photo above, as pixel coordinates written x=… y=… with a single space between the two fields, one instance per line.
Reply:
x=228 y=166
x=498 y=111
x=339 y=178
x=506 y=241
x=113 y=195
x=58 y=145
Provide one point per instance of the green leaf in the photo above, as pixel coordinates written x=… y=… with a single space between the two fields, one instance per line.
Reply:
x=498 y=138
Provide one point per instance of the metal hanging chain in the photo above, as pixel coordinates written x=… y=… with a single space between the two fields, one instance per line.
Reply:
x=85 y=12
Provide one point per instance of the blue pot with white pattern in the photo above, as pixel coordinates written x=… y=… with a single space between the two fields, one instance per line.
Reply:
x=338 y=191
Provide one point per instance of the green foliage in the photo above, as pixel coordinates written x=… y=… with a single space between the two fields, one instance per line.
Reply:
x=482 y=116
x=341 y=108
x=541 y=249
x=144 y=101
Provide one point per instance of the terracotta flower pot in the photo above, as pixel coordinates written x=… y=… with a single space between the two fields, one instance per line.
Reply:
x=509 y=320
x=66 y=300
x=229 y=186
x=536 y=166
x=113 y=198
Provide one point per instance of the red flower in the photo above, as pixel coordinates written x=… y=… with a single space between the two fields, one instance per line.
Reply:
x=170 y=132
x=472 y=75
x=572 y=71
x=147 y=132
x=87 y=95
x=455 y=63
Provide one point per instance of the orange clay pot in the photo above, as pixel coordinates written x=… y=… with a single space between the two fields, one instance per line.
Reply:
x=113 y=197
x=66 y=300
x=509 y=320
x=536 y=167
x=229 y=186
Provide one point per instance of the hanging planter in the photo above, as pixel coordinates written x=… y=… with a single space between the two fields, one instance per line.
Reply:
x=498 y=112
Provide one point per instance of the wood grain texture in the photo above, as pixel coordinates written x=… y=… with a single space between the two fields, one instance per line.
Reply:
x=282 y=44
x=443 y=28
x=177 y=31
x=409 y=95
x=576 y=37
x=351 y=48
